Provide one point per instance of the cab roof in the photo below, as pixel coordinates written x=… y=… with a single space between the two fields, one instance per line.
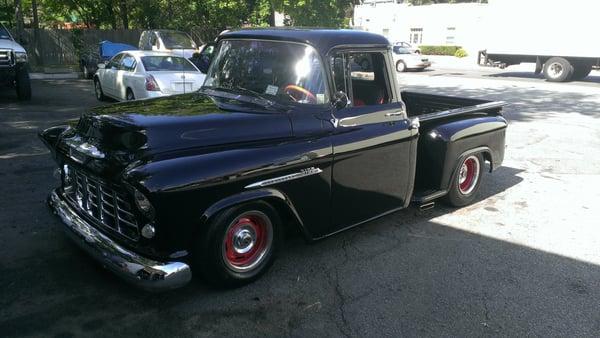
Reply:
x=322 y=39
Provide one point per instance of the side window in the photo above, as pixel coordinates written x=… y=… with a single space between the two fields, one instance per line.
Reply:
x=114 y=62
x=128 y=63
x=369 y=81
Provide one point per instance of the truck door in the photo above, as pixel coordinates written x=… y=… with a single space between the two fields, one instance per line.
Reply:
x=374 y=144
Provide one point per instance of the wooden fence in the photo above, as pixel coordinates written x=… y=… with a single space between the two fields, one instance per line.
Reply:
x=59 y=48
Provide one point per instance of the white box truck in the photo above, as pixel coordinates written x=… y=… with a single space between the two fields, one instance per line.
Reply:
x=560 y=37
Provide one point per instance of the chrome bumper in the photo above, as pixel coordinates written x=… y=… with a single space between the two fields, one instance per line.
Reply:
x=142 y=272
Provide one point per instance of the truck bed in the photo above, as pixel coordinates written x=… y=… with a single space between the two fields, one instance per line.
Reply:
x=430 y=107
x=450 y=126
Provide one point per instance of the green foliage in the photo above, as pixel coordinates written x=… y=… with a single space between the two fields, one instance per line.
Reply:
x=429 y=2
x=439 y=50
x=210 y=16
x=461 y=53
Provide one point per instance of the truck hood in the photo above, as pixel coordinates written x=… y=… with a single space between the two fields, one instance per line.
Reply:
x=163 y=127
x=9 y=44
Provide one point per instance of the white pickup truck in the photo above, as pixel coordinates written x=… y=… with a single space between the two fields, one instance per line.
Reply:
x=171 y=41
x=14 y=72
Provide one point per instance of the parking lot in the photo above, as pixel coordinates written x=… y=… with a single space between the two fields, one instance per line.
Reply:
x=523 y=260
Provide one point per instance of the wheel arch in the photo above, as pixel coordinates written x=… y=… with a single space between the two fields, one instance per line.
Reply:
x=277 y=199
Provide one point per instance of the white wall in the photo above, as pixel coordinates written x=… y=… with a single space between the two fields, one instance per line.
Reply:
x=395 y=21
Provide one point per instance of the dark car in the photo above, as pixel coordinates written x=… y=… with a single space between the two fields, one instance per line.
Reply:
x=283 y=136
x=104 y=51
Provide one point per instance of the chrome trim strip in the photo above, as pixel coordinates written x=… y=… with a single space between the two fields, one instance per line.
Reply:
x=141 y=271
x=302 y=173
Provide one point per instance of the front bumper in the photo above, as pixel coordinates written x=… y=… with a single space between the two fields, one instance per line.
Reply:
x=143 y=272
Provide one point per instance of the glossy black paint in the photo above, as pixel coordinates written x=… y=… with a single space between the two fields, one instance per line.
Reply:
x=195 y=155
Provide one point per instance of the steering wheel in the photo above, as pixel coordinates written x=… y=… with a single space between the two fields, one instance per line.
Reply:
x=299 y=92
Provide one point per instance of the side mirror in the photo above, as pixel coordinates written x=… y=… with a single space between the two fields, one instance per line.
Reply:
x=101 y=65
x=340 y=100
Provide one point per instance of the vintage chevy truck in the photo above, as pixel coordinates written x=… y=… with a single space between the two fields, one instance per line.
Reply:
x=287 y=133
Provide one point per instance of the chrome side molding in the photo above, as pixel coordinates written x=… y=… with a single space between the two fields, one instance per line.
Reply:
x=302 y=173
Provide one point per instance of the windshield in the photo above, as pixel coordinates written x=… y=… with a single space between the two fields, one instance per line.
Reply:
x=4 y=34
x=401 y=50
x=167 y=64
x=288 y=72
x=173 y=40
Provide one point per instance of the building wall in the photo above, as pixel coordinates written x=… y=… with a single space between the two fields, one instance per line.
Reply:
x=438 y=24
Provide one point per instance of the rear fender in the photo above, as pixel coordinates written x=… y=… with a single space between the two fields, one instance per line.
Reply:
x=484 y=135
x=273 y=196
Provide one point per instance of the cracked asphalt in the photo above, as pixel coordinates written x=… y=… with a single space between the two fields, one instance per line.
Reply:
x=524 y=260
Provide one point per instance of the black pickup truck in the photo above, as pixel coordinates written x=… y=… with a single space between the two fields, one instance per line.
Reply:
x=287 y=133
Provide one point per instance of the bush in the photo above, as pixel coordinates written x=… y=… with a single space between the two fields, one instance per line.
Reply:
x=461 y=53
x=439 y=50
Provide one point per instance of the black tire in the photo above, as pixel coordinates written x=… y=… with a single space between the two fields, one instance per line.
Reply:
x=558 y=69
x=129 y=95
x=581 y=71
x=400 y=66
x=86 y=73
x=461 y=194
x=23 y=85
x=98 y=90
x=212 y=255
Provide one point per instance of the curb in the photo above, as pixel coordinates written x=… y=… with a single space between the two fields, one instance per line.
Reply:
x=59 y=76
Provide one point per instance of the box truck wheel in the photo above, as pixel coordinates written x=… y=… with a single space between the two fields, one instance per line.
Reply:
x=558 y=69
x=581 y=70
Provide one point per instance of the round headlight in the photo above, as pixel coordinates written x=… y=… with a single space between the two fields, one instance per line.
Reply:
x=148 y=231
x=143 y=204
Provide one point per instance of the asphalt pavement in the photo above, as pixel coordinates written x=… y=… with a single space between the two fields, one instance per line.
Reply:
x=524 y=260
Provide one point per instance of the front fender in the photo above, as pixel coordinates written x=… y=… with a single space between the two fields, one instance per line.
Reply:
x=266 y=194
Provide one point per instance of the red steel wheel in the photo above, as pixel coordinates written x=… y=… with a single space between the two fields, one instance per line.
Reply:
x=468 y=175
x=247 y=241
x=466 y=181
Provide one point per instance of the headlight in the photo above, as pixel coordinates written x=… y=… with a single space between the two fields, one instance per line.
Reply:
x=20 y=57
x=143 y=204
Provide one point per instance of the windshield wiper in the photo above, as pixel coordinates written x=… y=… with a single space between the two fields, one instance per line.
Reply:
x=263 y=101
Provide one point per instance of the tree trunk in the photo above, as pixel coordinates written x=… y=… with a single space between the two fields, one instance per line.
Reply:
x=124 y=15
x=19 y=20
x=34 y=9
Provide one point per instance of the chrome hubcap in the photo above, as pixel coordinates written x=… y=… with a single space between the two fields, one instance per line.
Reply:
x=243 y=240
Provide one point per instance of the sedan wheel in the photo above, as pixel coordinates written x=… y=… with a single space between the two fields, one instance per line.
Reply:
x=129 y=95
x=98 y=90
x=400 y=66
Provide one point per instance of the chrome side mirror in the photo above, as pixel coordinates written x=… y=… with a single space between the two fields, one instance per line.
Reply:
x=340 y=100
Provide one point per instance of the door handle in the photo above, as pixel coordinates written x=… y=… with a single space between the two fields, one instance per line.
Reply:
x=398 y=113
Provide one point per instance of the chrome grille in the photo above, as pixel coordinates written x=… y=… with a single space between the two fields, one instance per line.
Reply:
x=6 y=57
x=107 y=206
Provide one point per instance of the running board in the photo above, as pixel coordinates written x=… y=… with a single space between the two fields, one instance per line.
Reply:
x=426 y=206
x=423 y=199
